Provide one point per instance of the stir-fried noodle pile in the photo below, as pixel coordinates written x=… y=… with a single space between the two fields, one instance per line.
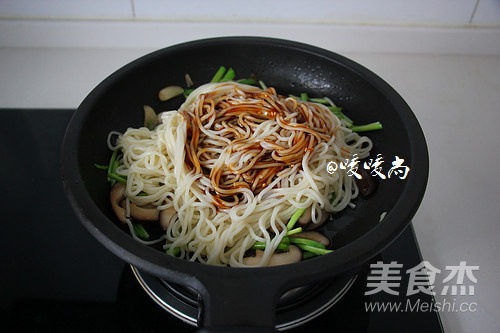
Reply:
x=233 y=164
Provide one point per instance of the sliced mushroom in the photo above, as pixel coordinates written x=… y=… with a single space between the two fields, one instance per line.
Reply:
x=117 y=195
x=189 y=81
x=291 y=256
x=324 y=217
x=166 y=217
x=367 y=184
x=305 y=220
x=279 y=228
x=254 y=260
x=142 y=213
x=170 y=92
x=150 y=117
x=283 y=258
x=313 y=235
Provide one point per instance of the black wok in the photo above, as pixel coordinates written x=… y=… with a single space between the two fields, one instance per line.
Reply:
x=236 y=298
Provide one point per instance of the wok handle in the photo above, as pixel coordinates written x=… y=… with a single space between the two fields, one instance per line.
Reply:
x=233 y=304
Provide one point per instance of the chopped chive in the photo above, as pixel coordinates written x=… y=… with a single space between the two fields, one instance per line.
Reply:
x=262 y=85
x=112 y=160
x=319 y=100
x=304 y=97
x=338 y=112
x=306 y=241
x=229 y=76
x=111 y=175
x=262 y=246
x=294 y=231
x=140 y=231
x=315 y=250
x=307 y=255
x=175 y=251
x=101 y=167
x=367 y=127
x=116 y=177
x=282 y=247
x=218 y=75
x=295 y=217
x=111 y=167
x=187 y=92
x=334 y=196
x=249 y=81
x=115 y=165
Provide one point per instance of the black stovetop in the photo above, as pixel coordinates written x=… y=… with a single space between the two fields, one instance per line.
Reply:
x=56 y=277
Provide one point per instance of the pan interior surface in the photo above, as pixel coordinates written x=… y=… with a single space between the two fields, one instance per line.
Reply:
x=292 y=68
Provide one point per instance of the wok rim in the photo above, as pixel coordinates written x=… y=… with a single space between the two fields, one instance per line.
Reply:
x=194 y=274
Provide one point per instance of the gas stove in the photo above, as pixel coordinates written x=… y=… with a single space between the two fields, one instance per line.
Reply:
x=57 y=277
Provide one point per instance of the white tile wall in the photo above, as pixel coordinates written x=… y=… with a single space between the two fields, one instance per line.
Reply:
x=66 y=9
x=380 y=12
x=438 y=12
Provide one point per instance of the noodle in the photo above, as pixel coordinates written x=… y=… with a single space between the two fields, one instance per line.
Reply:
x=235 y=162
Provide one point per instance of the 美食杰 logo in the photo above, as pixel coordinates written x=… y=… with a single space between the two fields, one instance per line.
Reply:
x=457 y=280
